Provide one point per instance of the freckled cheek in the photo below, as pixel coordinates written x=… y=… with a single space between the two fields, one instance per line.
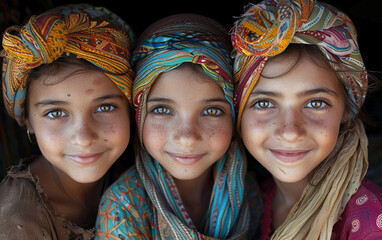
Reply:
x=155 y=133
x=327 y=131
x=116 y=132
x=218 y=133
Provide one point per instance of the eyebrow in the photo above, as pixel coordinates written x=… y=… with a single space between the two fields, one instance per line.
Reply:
x=299 y=94
x=46 y=102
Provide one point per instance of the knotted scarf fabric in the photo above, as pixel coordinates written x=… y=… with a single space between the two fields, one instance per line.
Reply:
x=83 y=31
x=265 y=30
x=162 y=47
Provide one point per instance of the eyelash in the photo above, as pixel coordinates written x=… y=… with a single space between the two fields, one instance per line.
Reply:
x=49 y=113
x=159 y=110
x=164 y=110
x=219 y=112
x=258 y=107
x=323 y=104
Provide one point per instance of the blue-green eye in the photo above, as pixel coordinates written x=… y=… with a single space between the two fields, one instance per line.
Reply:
x=161 y=110
x=213 y=111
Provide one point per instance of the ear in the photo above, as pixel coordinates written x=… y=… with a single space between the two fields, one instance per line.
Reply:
x=29 y=126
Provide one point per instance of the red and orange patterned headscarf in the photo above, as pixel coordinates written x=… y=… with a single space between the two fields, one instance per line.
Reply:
x=267 y=28
x=83 y=31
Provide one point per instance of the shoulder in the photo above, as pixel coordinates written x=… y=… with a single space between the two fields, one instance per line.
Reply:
x=362 y=217
x=125 y=208
x=22 y=212
x=127 y=188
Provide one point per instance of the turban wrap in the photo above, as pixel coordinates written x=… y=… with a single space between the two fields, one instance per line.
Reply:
x=164 y=46
x=267 y=28
x=175 y=40
x=83 y=31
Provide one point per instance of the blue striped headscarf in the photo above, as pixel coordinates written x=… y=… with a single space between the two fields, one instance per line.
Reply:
x=164 y=46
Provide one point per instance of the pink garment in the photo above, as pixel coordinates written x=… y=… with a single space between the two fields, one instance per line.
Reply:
x=361 y=219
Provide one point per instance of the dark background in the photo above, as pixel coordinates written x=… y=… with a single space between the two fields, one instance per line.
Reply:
x=139 y=14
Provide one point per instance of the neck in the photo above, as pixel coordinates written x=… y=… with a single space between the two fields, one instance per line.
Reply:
x=76 y=191
x=290 y=193
x=78 y=202
x=287 y=195
x=196 y=194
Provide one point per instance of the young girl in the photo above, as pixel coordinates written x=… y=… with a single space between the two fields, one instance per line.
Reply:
x=189 y=179
x=67 y=78
x=300 y=83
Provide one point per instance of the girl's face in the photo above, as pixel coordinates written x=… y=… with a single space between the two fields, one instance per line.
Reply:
x=188 y=126
x=290 y=123
x=81 y=123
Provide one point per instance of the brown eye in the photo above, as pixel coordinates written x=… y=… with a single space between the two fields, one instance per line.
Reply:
x=54 y=114
x=213 y=111
x=162 y=110
x=263 y=104
x=105 y=108
x=316 y=104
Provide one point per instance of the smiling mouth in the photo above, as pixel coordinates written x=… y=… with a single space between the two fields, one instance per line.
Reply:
x=289 y=156
x=85 y=158
x=186 y=159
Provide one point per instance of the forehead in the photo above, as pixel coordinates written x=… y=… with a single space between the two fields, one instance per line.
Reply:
x=185 y=80
x=70 y=82
x=295 y=72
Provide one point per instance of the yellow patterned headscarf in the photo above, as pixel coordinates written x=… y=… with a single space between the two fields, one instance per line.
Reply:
x=83 y=31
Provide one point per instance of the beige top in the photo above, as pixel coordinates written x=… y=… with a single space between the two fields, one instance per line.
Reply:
x=26 y=212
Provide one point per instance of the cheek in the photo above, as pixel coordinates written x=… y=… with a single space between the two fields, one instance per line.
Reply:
x=220 y=135
x=154 y=134
x=254 y=130
x=327 y=134
x=49 y=139
x=117 y=132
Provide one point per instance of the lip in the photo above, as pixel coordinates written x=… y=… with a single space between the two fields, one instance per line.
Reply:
x=289 y=156
x=186 y=159
x=85 y=158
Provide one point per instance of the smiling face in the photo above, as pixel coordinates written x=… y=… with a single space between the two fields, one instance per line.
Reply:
x=80 y=120
x=188 y=126
x=291 y=122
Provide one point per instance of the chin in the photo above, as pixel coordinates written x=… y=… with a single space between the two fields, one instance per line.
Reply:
x=87 y=177
x=186 y=175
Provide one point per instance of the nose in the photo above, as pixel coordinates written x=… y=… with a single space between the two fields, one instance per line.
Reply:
x=84 y=132
x=187 y=133
x=290 y=126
